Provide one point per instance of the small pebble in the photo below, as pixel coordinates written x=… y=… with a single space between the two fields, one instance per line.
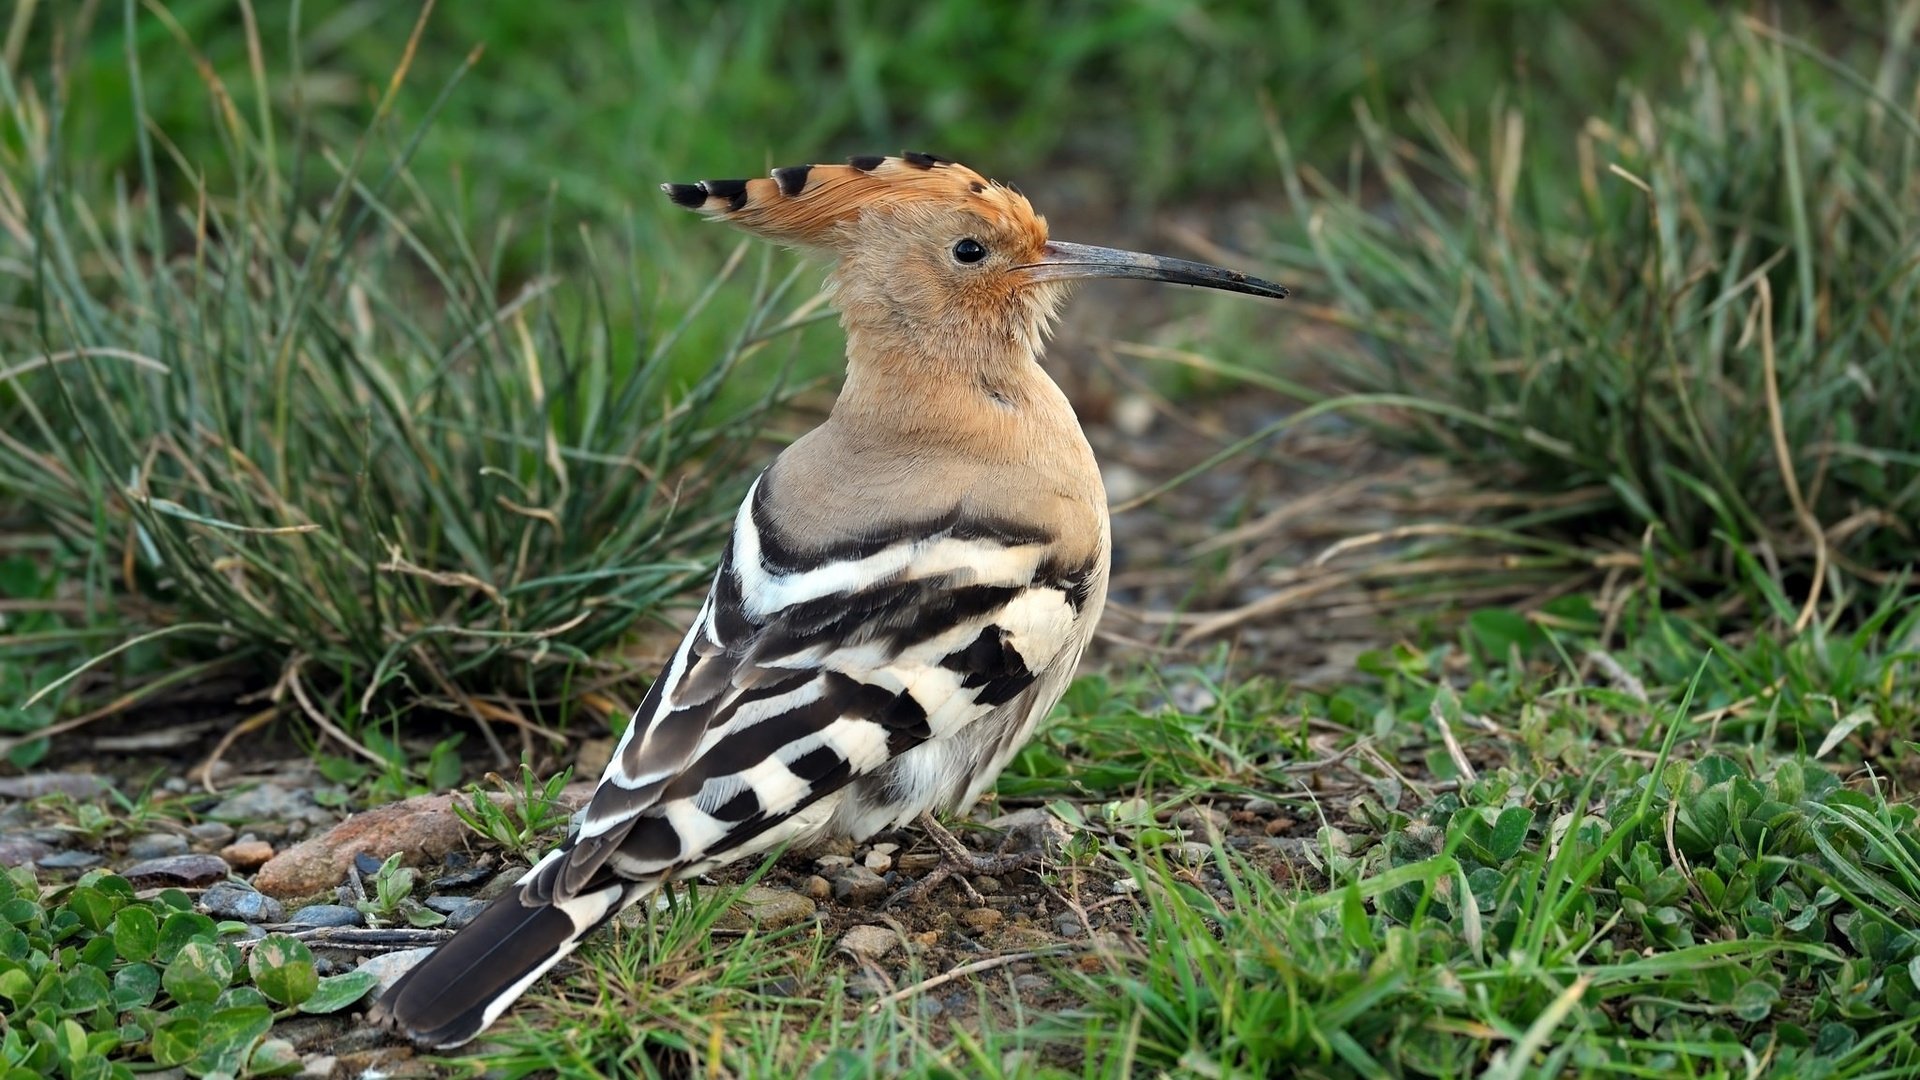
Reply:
x=1202 y=821
x=982 y=920
x=247 y=854
x=1279 y=825
x=866 y=984
x=20 y=850
x=1125 y=885
x=327 y=915
x=80 y=786
x=177 y=870
x=70 y=860
x=388 y=967
x=1032 y=829
x=1261 y=807
x=174 y=785
x=839 y=845
x=879 y=861
x=461 y=879
x=317 y=1067
x=869 y=942
x=156 y=846
x=459 y=910
x=859 y=885
x=227 y=900
x=1192 y=852
x=1133 y=415
x=769 y=909
x=266 y=802
x=830 y=863
x=366 y=864
x=212 y=833
x=884 y=849
x=1067 y=925
x=1032 y=984
x=987 y=886
x=817 y=888
x=504 y=880
x=928 y=1007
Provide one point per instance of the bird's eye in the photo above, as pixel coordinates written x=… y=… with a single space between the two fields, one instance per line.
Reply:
x=969 y=250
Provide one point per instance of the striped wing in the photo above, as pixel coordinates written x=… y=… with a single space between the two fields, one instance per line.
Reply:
x=807 y=672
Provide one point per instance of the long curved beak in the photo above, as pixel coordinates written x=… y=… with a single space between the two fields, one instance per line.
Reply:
x=1063 y=261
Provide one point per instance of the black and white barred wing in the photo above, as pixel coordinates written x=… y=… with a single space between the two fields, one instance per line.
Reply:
x=841 y=692
x=802 y=675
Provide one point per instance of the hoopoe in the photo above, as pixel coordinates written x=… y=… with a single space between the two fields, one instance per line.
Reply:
x=906 y=591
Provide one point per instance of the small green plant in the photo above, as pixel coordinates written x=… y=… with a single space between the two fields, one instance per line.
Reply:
x=392 y=898
x=100 y=984
x=528 y=813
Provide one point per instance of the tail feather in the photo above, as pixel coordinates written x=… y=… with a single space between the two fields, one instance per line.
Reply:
x=459 y=990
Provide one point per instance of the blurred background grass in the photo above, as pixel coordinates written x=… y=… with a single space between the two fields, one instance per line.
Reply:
x=442 y=404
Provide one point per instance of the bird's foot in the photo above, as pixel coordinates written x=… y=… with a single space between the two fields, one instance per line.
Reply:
x=960 y=864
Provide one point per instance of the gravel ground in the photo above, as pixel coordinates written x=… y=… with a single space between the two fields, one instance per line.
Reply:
x=275 y=850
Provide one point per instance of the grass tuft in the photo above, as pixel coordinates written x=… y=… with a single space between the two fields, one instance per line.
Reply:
x=1709 y=326
x=337 y=443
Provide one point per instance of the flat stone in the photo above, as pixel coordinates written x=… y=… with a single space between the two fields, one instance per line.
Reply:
x=878 y=861
x=1067 y=925
x=1032 y=984
x=423 y=829
x=211 y=833
x=502 y=881
x=1261 y=807
x=247 y=855
x=1033 y=829
x=858 y=885
x=79 y=786
x=981 y=920
x=459 y=910
x=177 y=870
x=20 y=850
x=1192 y=852
x=228 y=900
x=388 y=967
x=156 y=846
x=70 y=860
x=775 y=908
x=1202 y=821
x=869 y=942
x=830 y=863
x=317 y=1067
x=268 y=802
x=327 y=915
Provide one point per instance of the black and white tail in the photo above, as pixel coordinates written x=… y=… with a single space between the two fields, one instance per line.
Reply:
x=459 y=990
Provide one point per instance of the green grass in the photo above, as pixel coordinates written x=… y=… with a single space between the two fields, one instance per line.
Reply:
x=330 y=445
x=598 y=102
x=1704 y=335
x=1653 y=892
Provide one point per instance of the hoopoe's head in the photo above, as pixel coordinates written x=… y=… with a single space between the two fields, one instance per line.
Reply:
x=926 y=248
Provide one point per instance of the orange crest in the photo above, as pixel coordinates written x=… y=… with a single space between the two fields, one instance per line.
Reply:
x=812 y=205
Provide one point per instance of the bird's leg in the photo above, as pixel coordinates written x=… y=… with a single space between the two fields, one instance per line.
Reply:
x=957 y=862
